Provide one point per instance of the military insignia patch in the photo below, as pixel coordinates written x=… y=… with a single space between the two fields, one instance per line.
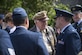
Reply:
x=60 y=42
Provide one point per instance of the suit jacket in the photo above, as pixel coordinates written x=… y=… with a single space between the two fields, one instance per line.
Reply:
x=68 y=42
x=27 y=43
x=6 y=47
x=79 y=30
x=7 y=29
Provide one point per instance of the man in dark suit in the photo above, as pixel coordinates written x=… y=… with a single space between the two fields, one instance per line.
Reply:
x=68 y=42
x=6 y=47
x=24 y=41
x=77 y=18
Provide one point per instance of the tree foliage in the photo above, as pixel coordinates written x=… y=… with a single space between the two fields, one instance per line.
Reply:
x=32 y=7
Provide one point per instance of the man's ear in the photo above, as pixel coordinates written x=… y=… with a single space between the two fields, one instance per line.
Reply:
x=26 y=21
x=35 y=21
x=81 y=14
x=1 y=21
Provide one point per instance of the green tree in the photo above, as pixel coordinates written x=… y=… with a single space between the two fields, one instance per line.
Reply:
x=8 y=5
x=32 y=7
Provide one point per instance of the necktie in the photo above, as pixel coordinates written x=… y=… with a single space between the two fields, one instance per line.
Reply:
x=76 y=25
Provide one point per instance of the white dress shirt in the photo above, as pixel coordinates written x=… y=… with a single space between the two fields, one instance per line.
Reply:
x=65 y=27
x=12 y=30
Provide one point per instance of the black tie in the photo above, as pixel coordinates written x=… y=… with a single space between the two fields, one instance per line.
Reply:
x=76 y=25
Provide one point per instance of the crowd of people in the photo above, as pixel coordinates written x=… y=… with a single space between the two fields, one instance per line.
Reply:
x=41 y=39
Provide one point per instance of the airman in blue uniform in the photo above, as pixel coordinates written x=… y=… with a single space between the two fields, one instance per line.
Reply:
x=68 y=42
x=6 y=47
x=77 y=18
x=24 y=41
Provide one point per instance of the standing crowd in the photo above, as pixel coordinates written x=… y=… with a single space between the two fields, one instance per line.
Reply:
x=41 y=39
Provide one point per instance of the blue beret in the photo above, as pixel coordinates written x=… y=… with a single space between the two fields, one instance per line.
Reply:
x=19 y=13
x=63 y=13
x=76 y=8
x=1 y=16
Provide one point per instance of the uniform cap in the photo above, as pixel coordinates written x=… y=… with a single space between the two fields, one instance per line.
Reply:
x=76 y=8
x=19 y=13
x=63 y=13
x=1 y=16
x=41 y=16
